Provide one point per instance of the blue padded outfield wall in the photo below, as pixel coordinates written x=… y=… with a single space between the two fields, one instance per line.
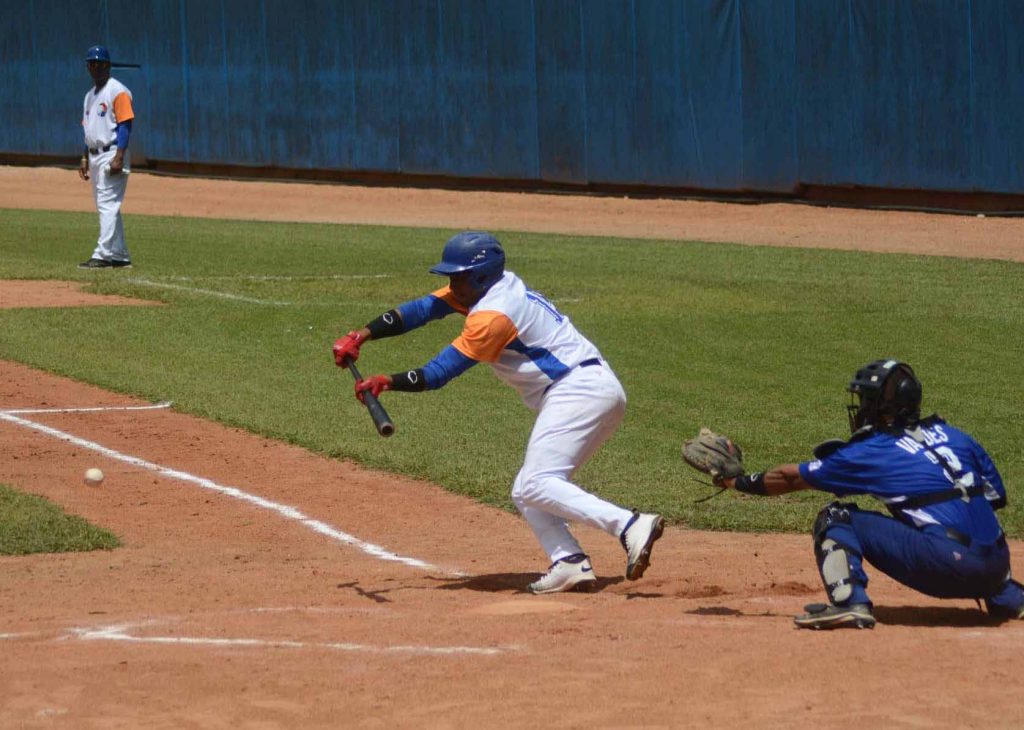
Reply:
x=724 y=95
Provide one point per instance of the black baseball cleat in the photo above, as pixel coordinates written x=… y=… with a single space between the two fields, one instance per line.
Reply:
x=121 y=264
x=95 y=264
x=824 y=616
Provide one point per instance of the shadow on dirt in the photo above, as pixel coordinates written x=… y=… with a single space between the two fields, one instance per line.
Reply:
x=933 y=616
x=510 y=583
x=372 y=595
x=936 y=616
x=715 y=611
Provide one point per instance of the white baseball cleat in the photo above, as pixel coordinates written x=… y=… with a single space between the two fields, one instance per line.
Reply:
x=638 y=538
x=571 y=573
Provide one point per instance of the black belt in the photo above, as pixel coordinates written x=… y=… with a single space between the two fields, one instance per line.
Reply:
x=97 y=150
x=583 y=364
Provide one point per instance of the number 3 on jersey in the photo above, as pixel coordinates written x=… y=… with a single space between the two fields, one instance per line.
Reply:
x=967 y=478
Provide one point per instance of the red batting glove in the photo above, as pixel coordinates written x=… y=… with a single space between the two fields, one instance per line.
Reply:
x=375 y=385
x=347 y=348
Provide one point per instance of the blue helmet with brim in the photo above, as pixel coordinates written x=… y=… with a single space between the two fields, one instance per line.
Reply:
x=98 y=53
x=474 y=251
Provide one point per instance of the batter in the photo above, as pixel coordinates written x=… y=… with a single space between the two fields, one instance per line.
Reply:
x=559 y=373
x=107 y=116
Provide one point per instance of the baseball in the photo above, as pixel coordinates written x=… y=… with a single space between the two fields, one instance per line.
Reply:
x=93 y=477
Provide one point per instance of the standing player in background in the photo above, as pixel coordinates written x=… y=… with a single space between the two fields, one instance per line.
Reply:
x=940 y=485
x=558 y=373
x=107 y=123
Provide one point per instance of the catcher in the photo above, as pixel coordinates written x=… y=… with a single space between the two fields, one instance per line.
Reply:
x=941 y=487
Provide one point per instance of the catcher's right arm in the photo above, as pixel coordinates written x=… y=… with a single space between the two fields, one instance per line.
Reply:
x=715 y=455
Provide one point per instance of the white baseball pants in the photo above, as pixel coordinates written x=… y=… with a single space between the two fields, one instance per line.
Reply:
x=577 y=414
x=109 y=192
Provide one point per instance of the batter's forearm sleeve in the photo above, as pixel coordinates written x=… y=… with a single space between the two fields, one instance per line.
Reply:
x=448 y=364
x=410 y=381
x=388 y=324
x=408 y=316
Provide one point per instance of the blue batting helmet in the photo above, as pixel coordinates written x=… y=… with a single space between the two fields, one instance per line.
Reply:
x=473 y=251
x=97 y=53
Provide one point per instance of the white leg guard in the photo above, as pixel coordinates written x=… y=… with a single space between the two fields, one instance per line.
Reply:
x=835 y=571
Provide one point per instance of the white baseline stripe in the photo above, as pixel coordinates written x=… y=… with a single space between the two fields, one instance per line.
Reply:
x=117 y=633
x=283 y=510
x=208 y=292
x=334 y=277
x=90 y=409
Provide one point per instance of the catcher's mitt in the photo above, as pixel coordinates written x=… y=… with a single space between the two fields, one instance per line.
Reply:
x=715 y=455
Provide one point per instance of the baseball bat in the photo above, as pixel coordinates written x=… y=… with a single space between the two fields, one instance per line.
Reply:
x=381 y=419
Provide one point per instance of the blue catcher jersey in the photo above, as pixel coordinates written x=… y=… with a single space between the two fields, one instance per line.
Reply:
x=895 y=467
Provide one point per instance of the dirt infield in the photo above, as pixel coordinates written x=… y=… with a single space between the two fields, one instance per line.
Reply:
x=775 y=224
x=14 y=294
x=261 y=586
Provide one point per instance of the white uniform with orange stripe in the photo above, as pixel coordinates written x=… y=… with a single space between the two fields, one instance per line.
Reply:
x=558 y=372
x=102 y=111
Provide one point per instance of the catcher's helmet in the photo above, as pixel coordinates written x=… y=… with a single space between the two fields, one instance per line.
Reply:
x=889 y=395
x=98 y=53
x=474 y=251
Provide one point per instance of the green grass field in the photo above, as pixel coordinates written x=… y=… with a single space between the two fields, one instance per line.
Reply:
x=31 y=524
x=756 y=342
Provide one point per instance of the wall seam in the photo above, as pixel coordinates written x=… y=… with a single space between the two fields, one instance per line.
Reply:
x=183 y=16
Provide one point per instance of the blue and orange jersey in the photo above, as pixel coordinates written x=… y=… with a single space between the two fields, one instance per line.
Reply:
x=103 y=110
x=525 y=339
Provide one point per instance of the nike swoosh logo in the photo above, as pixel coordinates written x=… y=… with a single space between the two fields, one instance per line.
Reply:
x=586 y=570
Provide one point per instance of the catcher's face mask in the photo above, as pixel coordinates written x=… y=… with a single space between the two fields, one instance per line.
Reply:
x=884 y=393
x=859 y=413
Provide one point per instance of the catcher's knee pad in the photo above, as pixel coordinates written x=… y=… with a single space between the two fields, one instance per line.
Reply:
x=833 y=557
x=834 y=513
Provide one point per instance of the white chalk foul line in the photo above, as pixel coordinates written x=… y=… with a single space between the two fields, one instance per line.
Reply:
x=314 y=277
x=283 y=510
x=239 y=297
x=88 y=409
x=119 y=633
x=208 y=292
